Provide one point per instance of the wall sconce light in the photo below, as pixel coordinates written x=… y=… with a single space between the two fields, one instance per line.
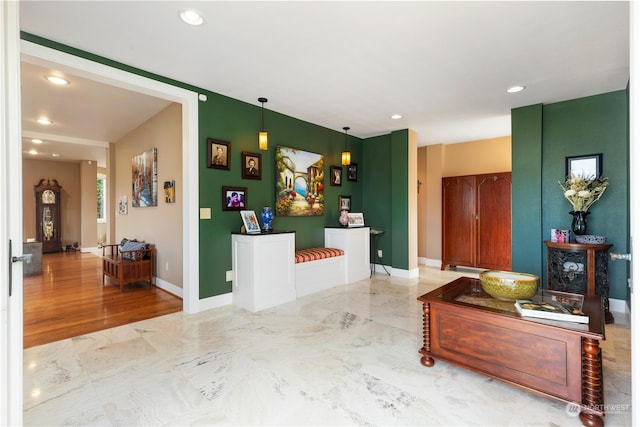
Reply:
x=346 y=154
x=263 y=142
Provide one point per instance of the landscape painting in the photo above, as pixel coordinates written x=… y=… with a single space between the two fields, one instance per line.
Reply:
x=299 y=182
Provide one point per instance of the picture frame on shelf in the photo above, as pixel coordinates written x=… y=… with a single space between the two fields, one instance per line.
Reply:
x=218 y=154
x=587 y=166
x=352 y=172
x=344 y=203
x=234 y=198
x=336 y=176
x=356 y=219
x=250 y=222
x=251 y=165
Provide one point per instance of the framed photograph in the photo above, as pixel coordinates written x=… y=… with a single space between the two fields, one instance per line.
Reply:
x=218 y=154
x=251 y=165
x=356 y=220
x=336 y=175
x=170 y=191
x=234 y=198
x=250 y=222
x=589 y=166
x=352 y=172
x=344 y=203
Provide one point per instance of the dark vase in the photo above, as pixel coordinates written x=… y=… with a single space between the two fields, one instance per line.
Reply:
x=579 y=222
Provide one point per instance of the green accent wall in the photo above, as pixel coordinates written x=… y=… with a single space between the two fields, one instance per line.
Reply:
x=594 y=124
x=385 y=194
x=526 y=198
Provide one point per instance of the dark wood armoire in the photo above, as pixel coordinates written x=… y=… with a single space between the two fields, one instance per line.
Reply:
x=476 y=221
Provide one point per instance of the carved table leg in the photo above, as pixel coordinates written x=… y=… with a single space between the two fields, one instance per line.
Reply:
x=426 y=337
x=592 y=388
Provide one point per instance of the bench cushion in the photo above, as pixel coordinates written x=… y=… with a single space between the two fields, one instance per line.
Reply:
x=131 y=245
x=313 y=254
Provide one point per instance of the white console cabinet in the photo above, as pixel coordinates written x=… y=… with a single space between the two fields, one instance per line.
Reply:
x=263 y=269
x=354 y=242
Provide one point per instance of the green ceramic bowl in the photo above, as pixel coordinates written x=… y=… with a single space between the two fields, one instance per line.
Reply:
x=508 y=285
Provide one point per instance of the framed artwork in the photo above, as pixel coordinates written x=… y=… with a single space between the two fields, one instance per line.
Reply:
x=234 y=198
x=299 y=182
x=589 y=166
x=250 y=221
x=169 y=191
x=352 y=172
x=218 y=154
x=144 y=176
x=344 y=203
x=122 y=205
x=356 y=220
x=251 y=165
x=336 y=175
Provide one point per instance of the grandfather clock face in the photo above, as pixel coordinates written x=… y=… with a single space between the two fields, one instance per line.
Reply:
x=48 y=197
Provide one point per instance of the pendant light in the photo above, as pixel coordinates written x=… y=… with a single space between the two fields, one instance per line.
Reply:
x=346 y=154
x=262 y=136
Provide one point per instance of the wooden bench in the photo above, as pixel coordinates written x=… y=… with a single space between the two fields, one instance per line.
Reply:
x=128 y=266
x=318 y=269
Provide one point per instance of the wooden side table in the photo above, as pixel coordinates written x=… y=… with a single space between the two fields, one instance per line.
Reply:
x=580 y=268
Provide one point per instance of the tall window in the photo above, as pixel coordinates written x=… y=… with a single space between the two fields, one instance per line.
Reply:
x=102 y=193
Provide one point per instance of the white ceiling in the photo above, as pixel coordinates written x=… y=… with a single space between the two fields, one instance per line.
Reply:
x=445 y=66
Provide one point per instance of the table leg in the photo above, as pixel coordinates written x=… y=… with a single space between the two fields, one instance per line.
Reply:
x=426 y=360
x=592 y=388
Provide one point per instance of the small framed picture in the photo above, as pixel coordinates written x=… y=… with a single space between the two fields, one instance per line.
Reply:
x=352 y=172
x=336 y=175
x=589 y=166
x=234 y=198
x=170 y=191
x=218 y=154
x=250 y=222
x=344 y=203
x=356 y=220
x=251 y=165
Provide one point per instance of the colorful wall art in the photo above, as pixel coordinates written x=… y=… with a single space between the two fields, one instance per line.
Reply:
x=299 y=182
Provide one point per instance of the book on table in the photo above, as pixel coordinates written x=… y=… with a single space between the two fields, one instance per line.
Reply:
x=554 y=305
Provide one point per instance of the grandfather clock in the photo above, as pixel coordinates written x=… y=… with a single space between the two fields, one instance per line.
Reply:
x=48 y=215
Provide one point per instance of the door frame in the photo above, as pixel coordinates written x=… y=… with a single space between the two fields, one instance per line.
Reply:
x=44 y=56
x=10 y=218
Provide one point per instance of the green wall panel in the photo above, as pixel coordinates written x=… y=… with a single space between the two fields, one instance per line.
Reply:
x=376 y=191
x=400 y=199
x=526 y=197
x=595 y=124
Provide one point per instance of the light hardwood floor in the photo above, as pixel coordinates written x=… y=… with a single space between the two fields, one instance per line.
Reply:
x=68 y=300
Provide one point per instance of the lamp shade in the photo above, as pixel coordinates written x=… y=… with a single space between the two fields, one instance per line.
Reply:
x=263 y=141
x=346 y=158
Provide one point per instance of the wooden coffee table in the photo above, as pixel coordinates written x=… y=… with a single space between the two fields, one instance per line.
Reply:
x=466 y=327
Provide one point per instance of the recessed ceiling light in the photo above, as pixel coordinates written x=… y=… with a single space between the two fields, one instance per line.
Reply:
x=57 y=155
x=44 y=121
x=191 y=17
x=396 y=116
x=36 y=141
x=57 y=80
x=516 y=89
x=33 y=152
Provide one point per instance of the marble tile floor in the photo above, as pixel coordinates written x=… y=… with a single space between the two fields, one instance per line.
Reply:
x=343 y=357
